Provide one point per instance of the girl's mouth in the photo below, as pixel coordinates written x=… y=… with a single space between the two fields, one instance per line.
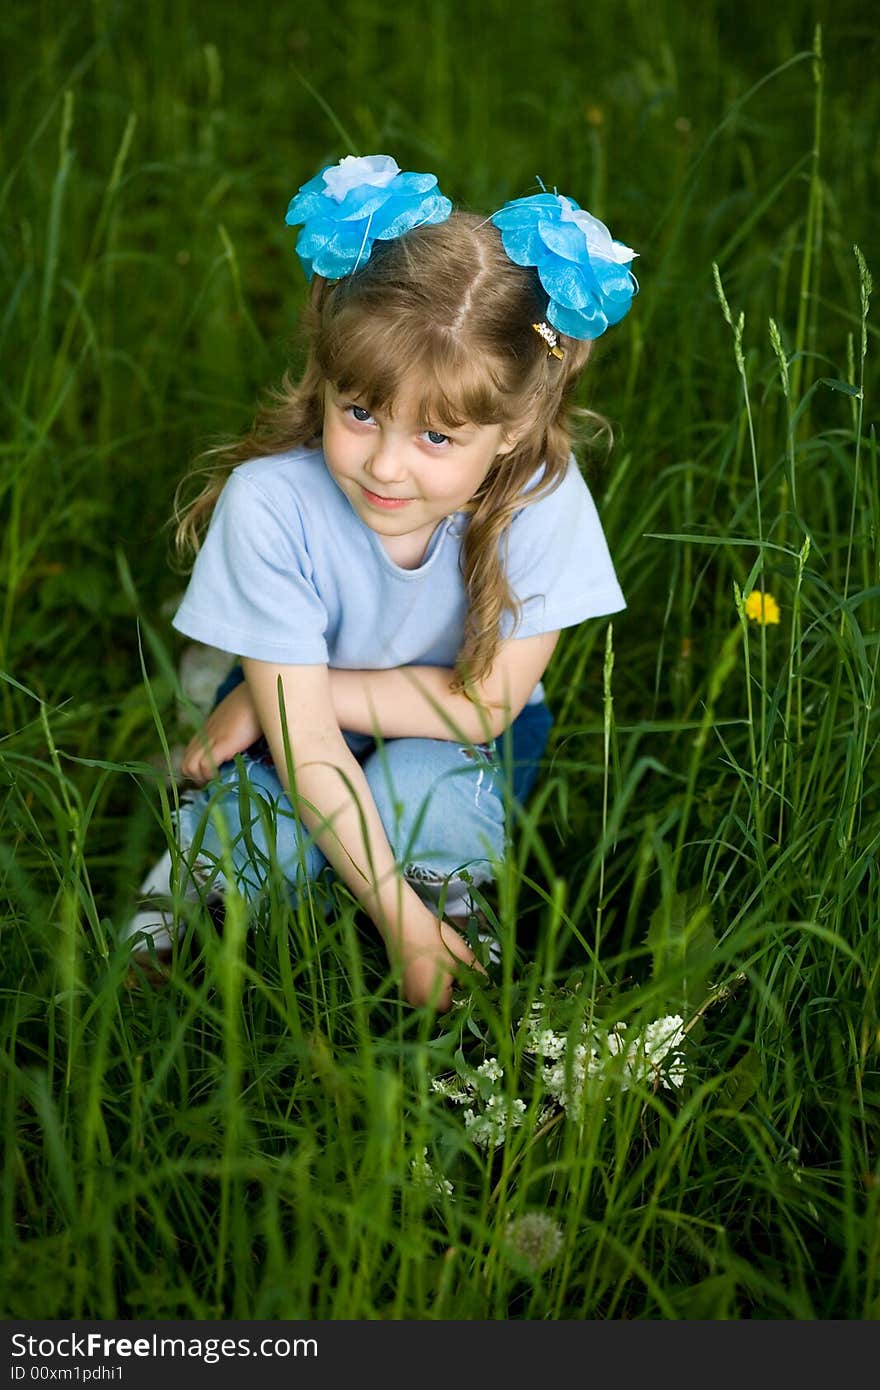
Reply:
x=389 y=504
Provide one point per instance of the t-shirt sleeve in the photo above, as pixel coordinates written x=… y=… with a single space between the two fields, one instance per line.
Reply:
x=558 y=562
x=251 y=591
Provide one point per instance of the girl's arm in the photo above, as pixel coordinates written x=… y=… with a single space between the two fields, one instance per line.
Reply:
x=229 y=729
x=405 y=702
x=416 y=701
x=333 y=800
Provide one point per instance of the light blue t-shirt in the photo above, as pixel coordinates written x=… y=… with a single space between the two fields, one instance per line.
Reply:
x=288 y=572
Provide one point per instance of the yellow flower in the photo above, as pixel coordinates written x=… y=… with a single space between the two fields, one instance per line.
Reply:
x=763 y=608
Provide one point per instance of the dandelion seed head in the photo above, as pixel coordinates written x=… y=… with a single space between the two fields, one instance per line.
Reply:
x=535 y=1240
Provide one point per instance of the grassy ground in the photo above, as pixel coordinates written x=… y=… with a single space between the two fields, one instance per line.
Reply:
x=263 y=1137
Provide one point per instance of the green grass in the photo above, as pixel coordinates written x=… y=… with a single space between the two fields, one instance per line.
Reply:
x=704 y=837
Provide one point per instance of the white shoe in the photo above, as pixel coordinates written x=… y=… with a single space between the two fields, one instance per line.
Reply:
x=157 y=920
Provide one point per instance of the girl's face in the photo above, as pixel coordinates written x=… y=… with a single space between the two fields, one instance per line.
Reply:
x=400 y=479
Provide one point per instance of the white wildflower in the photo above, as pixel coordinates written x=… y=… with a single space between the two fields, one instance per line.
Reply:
x=491 y=1127
x=424 y=1175
x=614 y=1040
x=673 y=1073
x=450 y=1090
x=649 y=1050
x=662 y=1037
x=545 y=1043
x=492 y=1069
x=576 y=1069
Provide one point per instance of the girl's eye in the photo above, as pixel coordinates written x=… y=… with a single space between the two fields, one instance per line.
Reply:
x=360 y=413
x=435 y=437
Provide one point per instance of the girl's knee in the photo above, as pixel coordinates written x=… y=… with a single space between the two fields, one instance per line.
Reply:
x=248 y=822
x=440 y=803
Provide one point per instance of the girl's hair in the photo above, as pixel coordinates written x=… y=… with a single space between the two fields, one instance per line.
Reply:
x=445 y=312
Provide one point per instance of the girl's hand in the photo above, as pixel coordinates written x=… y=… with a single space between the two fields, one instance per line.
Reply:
x=431 y=959
x=229 y=729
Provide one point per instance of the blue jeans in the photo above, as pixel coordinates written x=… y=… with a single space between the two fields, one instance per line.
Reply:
x=442 y=805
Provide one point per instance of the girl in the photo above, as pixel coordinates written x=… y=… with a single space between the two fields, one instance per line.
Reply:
x=392 y=552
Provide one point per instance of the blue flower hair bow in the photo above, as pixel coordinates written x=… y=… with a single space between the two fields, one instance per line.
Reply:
x=348 y=206
x=584 y=271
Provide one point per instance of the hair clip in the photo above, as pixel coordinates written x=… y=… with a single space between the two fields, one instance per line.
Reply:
x=544 y=331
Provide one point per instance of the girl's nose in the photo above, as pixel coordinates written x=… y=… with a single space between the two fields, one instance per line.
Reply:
x=386 y=463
